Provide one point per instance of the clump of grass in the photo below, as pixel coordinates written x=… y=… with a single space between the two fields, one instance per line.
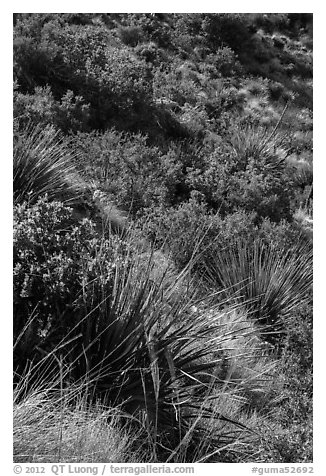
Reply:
x=52 y=427
x=61 y=426
x=252 y=142
x=302 y=172
x=44 y=164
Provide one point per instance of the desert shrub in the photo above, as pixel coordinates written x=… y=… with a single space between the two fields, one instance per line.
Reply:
x=32 y=63
x=196 y=120
x=151 y=53
x=291 y=437
x=126 y=167
x=200 y=177
x=278 y=42
x=120 y=89
x=69 y=114
x=271 y=21
x=187 y=36
x=37 y=107
x=283 y=235
x=226 y=28
x=225 y=62
x=301 y=20
x=153 y=27
x=276 y=90
x=179 y=229
x=301 y=147
x=130 y=35
x=297 y=365
x=173 y=86
x=199 y=90
x=72 y=114
x=211 y=31
x=222 y=103
x=244 y=174
x=85 y=60
x=38 y=59
x=191 y=228
x=113 y=81
x=55 y=260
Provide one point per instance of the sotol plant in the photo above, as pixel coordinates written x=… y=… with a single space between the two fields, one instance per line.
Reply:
x=270 y=282
x=139 y=347
x=44 y=164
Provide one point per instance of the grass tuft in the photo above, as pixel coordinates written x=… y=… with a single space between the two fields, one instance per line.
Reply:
x=44 y=164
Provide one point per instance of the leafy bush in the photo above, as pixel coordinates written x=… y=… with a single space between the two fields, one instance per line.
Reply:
x=192 y=226
x=211 y=31
x=283 y=235
x=276 y=90
x=120 y=88
x=173 y=86
x=178 y=229
x=85 y=60
x=124 y=166
x=153 y=27
x=244 y=174
x=151 y=53
x=226 y=28
x=192 y=229
x=70 y=114
x=130 y=35
x=225 y=62
x=55 y=262
x=291 y=436
x=271 y=22
x=35 y=63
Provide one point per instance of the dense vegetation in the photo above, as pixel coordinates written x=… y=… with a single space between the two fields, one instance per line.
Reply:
x=163 y=237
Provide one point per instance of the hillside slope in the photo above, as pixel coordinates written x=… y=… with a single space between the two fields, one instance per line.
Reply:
x=163 y=212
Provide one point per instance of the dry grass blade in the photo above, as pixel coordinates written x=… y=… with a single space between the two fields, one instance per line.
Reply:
x=47 y=430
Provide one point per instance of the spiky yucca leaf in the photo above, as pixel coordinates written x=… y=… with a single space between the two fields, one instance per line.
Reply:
x=272 y=283
x=259 y=144
x=44 y=164
x=140 y=347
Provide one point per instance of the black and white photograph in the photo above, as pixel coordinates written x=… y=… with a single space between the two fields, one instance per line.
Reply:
x=162 y=240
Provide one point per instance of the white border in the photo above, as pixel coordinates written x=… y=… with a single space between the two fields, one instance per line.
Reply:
x=319 y=179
